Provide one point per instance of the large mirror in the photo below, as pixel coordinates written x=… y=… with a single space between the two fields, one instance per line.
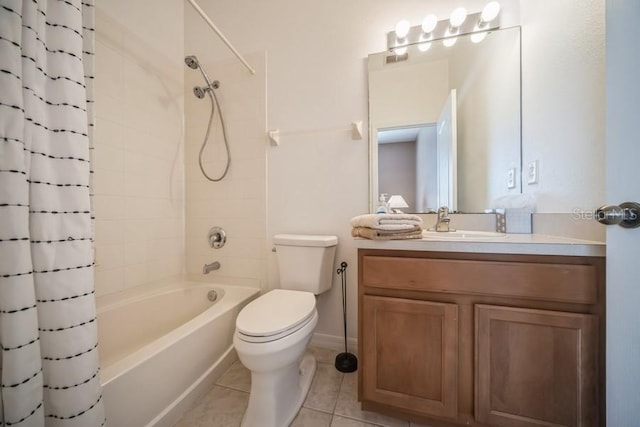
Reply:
x=445 y=124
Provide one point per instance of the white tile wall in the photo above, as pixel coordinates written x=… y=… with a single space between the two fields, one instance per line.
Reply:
x=139 y=142
x=238 y=202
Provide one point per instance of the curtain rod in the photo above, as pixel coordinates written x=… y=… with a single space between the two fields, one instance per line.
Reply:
x=219 y=33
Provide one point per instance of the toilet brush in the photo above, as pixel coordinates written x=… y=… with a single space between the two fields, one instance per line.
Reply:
x=345 y=362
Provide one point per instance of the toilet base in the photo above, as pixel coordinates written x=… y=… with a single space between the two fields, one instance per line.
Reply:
x=264 y=410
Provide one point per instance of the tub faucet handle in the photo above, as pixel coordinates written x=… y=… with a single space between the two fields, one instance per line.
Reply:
x=217 y=237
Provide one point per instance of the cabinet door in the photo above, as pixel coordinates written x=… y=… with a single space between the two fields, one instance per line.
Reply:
x=410 y=355
x=535 y=368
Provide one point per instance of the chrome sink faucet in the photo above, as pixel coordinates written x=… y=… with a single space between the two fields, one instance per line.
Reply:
x=443 y=220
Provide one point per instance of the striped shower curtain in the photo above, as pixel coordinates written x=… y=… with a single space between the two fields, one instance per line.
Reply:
x=48 y=339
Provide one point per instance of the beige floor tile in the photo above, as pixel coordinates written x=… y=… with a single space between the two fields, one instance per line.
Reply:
x=220 y=407
x=349 y=407
x=331 y=402
x=236 y=377
x=324 y=390
x=324 y=355
x=349 y=422
x=310 y=418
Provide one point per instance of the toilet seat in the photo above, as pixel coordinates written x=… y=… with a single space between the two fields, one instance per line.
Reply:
x=275 y=315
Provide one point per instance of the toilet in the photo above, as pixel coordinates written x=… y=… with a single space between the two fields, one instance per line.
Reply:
x=273 y=331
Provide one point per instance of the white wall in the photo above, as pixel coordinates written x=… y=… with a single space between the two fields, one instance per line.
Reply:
x=138 y=156
x=563 y=101
x=488 y=89
x=237 y=203
x=427 y=170
x=400 y=95
x=397 y=171
x=316 y=81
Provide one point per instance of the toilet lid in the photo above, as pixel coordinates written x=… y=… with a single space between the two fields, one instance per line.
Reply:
x=275 y=312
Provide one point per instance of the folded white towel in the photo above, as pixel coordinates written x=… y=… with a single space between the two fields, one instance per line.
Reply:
x=387 y=221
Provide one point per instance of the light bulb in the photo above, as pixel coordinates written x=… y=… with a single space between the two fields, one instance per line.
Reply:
x=402 y=29
x=490 y=11
x=457 y=17
x=400 y=50
x=478 y=37
x=449 y=42
x=429 y=23
x=425 y=46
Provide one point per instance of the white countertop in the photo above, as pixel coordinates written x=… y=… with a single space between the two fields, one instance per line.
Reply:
x=530 y=244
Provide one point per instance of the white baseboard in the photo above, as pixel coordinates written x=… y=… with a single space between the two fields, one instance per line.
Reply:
x=334 y=342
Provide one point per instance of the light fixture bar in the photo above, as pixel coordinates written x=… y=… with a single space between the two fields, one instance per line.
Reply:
x=414 y=36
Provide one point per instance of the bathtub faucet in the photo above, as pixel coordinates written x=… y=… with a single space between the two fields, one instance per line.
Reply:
x=210 y=267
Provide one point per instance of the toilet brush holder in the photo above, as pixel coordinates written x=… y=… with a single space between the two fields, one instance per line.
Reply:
x=345 y=362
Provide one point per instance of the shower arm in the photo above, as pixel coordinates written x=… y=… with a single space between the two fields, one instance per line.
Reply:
x=219 y=33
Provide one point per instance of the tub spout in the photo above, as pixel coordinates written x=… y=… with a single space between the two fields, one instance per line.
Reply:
x=210 y=267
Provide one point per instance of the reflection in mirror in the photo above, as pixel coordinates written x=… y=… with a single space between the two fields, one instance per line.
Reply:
x=445 y=124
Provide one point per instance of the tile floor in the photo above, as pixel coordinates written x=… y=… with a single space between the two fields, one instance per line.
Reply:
x=331 y=402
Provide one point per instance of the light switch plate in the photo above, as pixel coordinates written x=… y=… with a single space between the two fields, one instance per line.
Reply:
x=511 y=178
x=532 y=172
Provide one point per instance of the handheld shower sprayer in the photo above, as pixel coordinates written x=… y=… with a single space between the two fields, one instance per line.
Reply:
x=200 y=91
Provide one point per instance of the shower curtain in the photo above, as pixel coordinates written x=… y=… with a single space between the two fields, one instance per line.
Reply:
x=48 y=338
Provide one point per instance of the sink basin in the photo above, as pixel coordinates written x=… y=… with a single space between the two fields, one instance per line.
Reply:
x=461 y=235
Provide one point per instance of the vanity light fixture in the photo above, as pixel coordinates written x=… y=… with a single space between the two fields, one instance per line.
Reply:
x=457 y=18
x=459 y=23
x=489 y=13
x=428 y=25
x=402 y=30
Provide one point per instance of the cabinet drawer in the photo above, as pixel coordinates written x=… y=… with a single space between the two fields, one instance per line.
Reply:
x=571 y=283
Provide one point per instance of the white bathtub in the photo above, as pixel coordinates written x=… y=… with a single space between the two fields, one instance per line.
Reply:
x=160 y=350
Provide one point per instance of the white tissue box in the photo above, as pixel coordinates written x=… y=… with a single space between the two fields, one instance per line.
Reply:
x=518 y=221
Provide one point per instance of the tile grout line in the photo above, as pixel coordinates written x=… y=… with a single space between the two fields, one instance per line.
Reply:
x=230 y=388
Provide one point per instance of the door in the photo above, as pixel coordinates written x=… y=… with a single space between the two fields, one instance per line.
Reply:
x=535 y=367
x=623 y=184
x=410 y=355
x=447 y=153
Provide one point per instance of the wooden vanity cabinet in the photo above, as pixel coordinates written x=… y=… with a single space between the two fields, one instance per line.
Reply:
x=412 y=349
x=482 y=339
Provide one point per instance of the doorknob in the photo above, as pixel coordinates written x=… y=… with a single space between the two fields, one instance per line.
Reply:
x=626 y=215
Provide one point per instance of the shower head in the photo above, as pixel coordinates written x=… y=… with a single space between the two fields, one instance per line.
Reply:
x=192 y=62
x=199 y=91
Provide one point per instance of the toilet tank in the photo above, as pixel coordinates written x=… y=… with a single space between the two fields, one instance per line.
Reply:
x=305 y=261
